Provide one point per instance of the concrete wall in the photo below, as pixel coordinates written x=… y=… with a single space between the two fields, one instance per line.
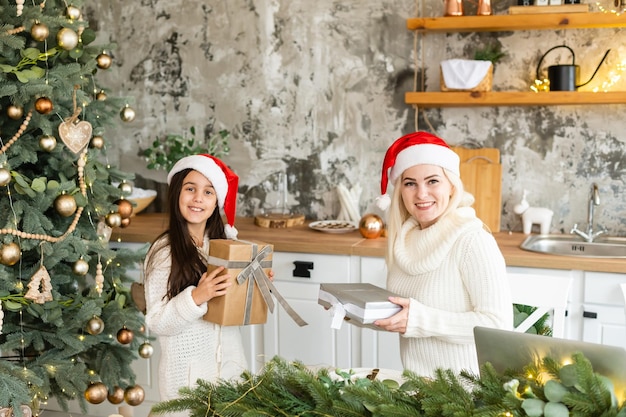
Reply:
x=316 y=89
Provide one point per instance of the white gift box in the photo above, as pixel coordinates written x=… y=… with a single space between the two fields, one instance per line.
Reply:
x=361 y=304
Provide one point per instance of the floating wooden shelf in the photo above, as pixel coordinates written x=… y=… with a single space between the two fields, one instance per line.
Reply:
x=512 y=98
x=499 y=23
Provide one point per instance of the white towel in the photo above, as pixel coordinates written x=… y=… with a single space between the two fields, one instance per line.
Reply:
x=463 y=74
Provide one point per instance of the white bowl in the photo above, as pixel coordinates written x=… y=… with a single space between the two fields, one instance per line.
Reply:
x=141 y=199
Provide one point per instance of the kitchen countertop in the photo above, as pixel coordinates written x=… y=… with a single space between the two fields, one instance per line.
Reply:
x=146 y=227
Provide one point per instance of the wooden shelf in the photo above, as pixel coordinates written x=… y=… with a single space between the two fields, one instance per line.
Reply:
x=499 y=23
x=512 y=98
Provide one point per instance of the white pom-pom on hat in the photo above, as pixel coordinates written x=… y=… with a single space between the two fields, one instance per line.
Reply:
x=418 y=148
x=224 y=180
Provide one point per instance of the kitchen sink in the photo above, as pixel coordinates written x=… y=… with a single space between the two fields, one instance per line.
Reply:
x=571 y=245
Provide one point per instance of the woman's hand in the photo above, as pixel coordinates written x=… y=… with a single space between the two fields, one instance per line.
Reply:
x=397 y=322
x=210 y=285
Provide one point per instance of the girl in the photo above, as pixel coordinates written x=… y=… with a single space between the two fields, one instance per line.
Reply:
x=178 y=286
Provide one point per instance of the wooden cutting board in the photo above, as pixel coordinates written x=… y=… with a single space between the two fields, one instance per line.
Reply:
x=481 y=174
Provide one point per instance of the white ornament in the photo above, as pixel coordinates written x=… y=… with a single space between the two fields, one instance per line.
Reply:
x=20 y=6
x=533 y=215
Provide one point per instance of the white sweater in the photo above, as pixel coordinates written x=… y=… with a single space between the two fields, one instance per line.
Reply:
x=455 y=276
x=191 y=347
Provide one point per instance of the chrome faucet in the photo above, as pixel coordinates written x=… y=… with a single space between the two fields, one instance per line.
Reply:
x=594 y=200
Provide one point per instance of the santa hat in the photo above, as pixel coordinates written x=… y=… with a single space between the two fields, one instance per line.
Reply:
x=224 y=180
x=416 y=148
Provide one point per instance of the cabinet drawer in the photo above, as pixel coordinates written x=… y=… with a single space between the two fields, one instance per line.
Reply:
x=311 y=268
x=604 y=288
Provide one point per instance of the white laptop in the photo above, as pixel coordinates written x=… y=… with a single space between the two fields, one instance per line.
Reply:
x=513 y=350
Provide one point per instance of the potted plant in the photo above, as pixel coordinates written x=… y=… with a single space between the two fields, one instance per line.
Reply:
x=165 y=151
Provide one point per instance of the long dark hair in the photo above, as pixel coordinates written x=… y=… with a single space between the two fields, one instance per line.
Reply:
x=187 y=264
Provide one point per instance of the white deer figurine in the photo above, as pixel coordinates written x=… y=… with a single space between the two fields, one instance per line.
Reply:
x=533 y=215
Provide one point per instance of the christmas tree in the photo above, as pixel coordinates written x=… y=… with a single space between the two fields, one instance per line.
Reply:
x=69 y=329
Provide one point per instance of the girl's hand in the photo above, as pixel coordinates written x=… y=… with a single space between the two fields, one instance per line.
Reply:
x=270 y=275
x=210 y=285
x=397 y=322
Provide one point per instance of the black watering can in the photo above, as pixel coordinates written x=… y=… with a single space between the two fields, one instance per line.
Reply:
x=565 y=77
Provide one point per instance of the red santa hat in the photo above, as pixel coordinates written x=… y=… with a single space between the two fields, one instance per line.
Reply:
x=224 y=180
x=416 y=148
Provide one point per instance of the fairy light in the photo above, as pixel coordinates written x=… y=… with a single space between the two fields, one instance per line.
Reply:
x=602 y=9
x=613 y=77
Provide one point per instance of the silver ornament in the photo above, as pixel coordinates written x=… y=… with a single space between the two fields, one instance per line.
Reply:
x=146 y=350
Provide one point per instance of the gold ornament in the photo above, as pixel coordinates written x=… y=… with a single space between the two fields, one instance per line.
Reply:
x=95 y=326
x=113 y=220
x=67 y=39
x=371 y=226
x=104 y=61
x=124 y=208
x=72 y=12
x=65 y=205
x=116 y=396
x=125 y=223
x=10 y=253
x=101 y=96
x=5 y=177
x=125 y=335
x=96 y=393
x=47 y=143
x=127 y=114
x=126 y=188
x=146 y=350
x=15 y=112
x=39 y=32
x=134 y=395
x=97 y=142
x=80 y=267
x=75 y=135
x=43 y=105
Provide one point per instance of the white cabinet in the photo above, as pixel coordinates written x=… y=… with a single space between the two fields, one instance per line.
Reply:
x=317 y=343
x=604 y=319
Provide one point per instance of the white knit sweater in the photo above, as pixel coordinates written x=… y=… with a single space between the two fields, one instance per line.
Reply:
x=455 y=276
x=191 y=348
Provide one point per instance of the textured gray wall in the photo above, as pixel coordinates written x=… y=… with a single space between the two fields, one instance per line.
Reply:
x=316 y=89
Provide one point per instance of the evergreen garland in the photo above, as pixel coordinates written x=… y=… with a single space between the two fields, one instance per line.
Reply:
x=282 y=388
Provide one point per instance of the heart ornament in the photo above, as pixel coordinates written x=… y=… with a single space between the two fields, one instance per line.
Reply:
x=75 y=135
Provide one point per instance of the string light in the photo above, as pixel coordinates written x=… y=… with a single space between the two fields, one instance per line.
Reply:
x=618 y=3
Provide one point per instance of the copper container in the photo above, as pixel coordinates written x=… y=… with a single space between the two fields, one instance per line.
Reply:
x=484 y=8
x=453 y=8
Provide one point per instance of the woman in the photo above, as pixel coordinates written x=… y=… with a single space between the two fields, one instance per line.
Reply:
x=178 y=286
x=441 y=260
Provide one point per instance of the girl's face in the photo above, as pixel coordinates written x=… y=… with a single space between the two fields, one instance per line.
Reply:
x=425 y=192
x=197 y=199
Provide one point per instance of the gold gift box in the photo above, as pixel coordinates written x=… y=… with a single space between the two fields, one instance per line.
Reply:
x=246 y=262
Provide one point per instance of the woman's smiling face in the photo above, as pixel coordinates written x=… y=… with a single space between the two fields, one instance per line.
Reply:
x=425 y=192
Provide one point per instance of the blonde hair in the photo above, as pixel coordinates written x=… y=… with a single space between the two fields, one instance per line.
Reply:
x=398 y=213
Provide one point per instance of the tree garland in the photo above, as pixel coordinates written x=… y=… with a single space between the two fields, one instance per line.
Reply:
x=546 y=388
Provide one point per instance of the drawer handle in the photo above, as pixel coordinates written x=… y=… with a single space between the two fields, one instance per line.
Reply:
x=302 y=269
x=590 y=315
